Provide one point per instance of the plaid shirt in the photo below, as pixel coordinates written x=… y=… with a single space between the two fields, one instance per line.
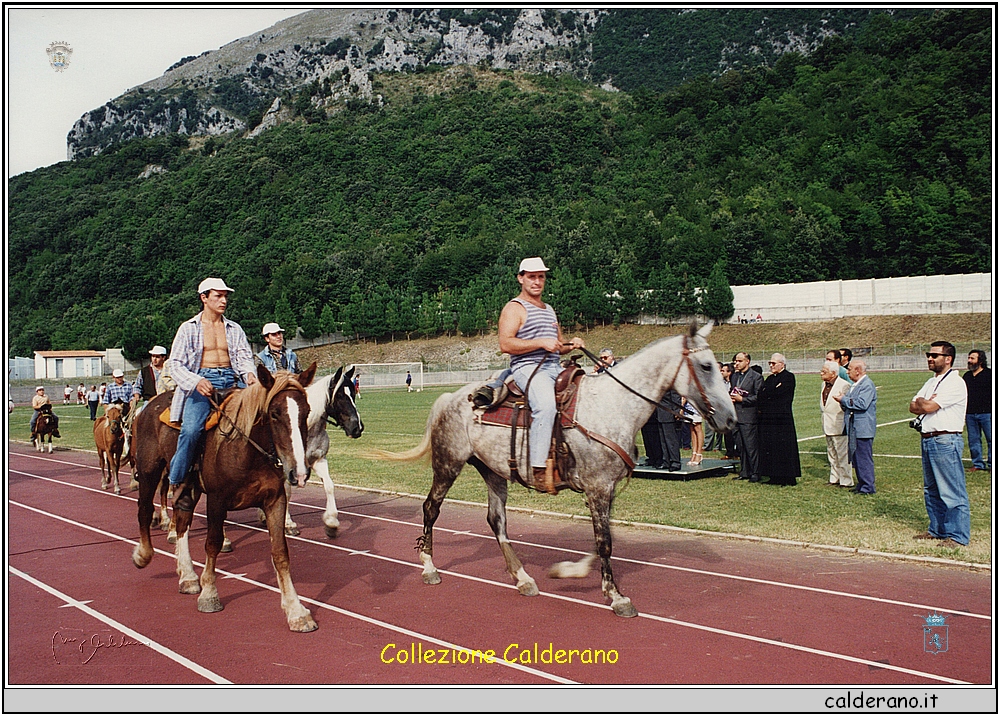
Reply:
x=185 y=358
x=115 y=392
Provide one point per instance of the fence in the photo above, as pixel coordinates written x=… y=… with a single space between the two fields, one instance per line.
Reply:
x=20 y=368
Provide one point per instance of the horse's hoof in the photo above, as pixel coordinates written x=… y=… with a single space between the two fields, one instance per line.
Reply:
x=227 y=546
x=139 y=559
x=303 y=625
x=118 y=489
x=192 y=586
x=331 y=532
x=155 y=521
x=528 y=589
x=432 y=577
x=210 y=604
x=624 y=608
x=105 y=485
x=292 y=531
x=133 y=485
x=261 y=517
x=172 y=538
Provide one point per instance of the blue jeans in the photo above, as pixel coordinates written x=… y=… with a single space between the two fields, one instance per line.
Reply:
x=945 y=495
x=542 y=399
x=196 y=410
x=978 y=425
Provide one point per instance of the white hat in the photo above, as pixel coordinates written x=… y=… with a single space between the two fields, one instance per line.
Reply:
x=533 y=264
x=157 y=351
x=209 y=283
x=270 y=328
x=118 y=373
x=41 y=387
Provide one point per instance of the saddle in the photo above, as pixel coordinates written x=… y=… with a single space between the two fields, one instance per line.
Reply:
x=510 y=409
x=221 y=397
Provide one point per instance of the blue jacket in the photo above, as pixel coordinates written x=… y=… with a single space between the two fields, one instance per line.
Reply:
x=859 y=409
x=291 y=359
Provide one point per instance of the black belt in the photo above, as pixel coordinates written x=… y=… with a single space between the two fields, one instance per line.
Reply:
x=940 y=432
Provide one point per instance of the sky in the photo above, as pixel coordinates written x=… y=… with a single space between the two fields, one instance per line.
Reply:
x=113 y=50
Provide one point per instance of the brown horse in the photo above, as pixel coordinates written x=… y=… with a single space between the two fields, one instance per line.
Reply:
x=260 y=440
x=109 y=436
x=45 y=425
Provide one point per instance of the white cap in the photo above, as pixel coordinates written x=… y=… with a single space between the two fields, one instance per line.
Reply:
x=41 y=387
x=209 y=283
x=270 y=328
x=533 y=264
x=118 y=373
x=157 y=351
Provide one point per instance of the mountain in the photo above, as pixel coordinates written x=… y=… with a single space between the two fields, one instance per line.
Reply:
x=328 y=59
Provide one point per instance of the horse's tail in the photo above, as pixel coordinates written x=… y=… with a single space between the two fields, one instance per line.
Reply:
x=420 y=450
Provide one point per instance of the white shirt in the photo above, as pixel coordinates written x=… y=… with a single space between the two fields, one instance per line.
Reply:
x=952 y=395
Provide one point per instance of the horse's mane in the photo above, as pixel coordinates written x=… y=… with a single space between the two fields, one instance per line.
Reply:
x=245 y=406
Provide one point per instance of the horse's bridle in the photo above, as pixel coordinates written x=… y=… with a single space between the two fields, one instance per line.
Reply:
x=686 y=353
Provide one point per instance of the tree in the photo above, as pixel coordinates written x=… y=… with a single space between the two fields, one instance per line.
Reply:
x=327 y=321
x=717 y=296
x=285 y=316
x=310 y=322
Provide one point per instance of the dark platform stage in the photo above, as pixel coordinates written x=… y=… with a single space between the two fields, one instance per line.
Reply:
x=709 y=467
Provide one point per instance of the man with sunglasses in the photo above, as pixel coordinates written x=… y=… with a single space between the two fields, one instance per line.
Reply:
x=941 y=405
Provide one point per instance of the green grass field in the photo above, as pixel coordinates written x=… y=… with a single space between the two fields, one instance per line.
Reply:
x=810 y=512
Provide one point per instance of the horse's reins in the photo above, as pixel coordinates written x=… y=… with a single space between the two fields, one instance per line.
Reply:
x=272 y=456
x=659 y=403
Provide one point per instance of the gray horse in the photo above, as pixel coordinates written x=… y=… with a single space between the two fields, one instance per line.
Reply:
x=611 y=408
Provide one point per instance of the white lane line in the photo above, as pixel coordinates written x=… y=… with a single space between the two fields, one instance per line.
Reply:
x=564 y=550
x=691 y=570
x=323 y=605
x=155 y=646
x=879 y=425
x=573 y=600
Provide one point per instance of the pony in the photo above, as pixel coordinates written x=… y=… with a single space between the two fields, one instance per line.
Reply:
x=109 y=437
x=611 y=408
x=331 y=401
x=45 y=425
x=260 y=440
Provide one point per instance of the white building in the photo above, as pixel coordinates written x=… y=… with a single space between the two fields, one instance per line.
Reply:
x=68 y=364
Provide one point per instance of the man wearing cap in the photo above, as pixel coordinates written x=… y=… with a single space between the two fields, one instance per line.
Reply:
x=149 y=383
x=529 y=332
x=38 y=401
x=209 y=352
x=119 y=391
x=275 y=356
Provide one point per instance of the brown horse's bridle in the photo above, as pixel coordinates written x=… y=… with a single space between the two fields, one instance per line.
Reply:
x=272 y=456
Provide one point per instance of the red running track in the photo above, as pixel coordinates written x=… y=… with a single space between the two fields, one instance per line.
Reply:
x=712 y=611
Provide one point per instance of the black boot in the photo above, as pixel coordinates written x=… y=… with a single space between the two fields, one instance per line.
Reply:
x=482 y=397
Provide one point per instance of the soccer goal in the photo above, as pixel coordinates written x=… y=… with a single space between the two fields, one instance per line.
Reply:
x=389 y=376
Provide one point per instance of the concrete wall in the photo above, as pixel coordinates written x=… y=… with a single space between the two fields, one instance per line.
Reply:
x=825 y=300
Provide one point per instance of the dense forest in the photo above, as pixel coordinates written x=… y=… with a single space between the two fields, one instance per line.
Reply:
x=870 y=157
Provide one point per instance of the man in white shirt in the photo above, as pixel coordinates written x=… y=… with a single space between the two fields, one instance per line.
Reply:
x=941 y=407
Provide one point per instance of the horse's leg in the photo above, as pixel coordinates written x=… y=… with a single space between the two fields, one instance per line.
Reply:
x=496 y=516
x=184 y=506
x=299 y=618
x=208 y=600
x=114 y=465
x=143 y=552
x=105 y=469
x=291 y=528
x=444 y=478
x=50 y=443
x=600 y=512
x=331 y=521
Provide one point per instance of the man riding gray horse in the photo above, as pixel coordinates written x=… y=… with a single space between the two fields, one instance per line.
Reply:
x=529 y=332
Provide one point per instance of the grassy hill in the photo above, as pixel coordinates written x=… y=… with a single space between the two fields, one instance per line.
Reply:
x=482 y=351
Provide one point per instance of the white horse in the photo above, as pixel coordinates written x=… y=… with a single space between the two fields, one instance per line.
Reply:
x=611 y=409
x=331 y=400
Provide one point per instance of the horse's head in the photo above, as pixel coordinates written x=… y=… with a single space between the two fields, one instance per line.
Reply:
x=702 y=382
x=113 y=413
x=341 y=407
x=286 y=409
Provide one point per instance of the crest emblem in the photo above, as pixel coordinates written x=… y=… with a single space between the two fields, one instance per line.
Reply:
x=935 y=634
x=59 y=53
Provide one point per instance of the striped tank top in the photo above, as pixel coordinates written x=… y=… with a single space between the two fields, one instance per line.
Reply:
x=540 y=323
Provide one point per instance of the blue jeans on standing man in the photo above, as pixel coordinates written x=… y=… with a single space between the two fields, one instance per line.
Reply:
x=542 y=399
x=196 y=410
x=978 y=425
x=945 y=495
